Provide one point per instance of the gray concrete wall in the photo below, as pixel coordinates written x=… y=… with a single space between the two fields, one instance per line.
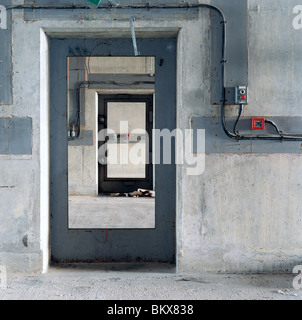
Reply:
x=20 y=204
x=244 y=213
x=82 y=160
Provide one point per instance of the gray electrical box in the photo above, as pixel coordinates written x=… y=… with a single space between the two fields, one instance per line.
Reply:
x=241 y=95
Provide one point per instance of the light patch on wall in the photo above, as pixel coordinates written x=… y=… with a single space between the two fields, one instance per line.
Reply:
x=122 y=65
x=3 y=17
x=297 y=22
x=19 y=211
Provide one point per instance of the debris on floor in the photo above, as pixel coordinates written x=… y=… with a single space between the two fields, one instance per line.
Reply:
x=287 y=292
x=193 y=279
x=135 y=194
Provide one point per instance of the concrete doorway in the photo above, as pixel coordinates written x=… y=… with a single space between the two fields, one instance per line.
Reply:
x=111 y=244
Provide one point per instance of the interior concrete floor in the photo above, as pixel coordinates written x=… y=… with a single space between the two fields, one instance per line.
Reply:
x=115 y=212
x=144 y=281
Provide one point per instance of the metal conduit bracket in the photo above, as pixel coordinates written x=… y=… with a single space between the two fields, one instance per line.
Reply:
x=136 y=53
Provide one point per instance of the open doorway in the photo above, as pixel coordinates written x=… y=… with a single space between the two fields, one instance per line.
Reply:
x=155 y=240
x=125 y=157
x=110 y=142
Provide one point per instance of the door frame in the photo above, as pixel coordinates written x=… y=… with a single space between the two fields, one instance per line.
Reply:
x=108 y=185
x=45 y=179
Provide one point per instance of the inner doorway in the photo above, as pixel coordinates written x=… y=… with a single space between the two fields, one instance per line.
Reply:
x=125 y=165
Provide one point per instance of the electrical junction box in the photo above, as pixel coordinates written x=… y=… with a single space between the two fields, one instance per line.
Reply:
x=241 y=95
x=258 y=123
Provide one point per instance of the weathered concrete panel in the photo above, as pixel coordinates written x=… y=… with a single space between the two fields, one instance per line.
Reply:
x=97 y=13
x=275 y=60
x=19 y=208
x=5 y=57
x=15 y=136
x=245 y=215
x=244 y=212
